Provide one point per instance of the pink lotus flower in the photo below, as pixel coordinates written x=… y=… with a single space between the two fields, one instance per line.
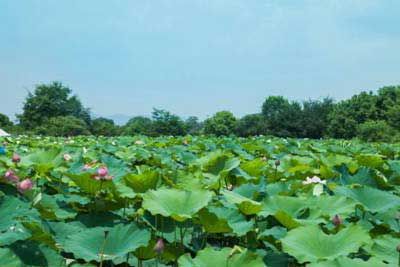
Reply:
x=67 y=157
x=11 y=177
x=159 y=247
x=102 y=171
x=25 y=185
x=16 y=158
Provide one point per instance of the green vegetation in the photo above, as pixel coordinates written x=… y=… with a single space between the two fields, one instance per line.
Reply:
x=198 y=201
x=368 y=116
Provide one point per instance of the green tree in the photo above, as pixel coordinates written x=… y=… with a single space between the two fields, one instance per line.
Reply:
x=165 y=123
x=51 y=100
x=250 y=125
x=63 y=126
x=192 y=125
x=348 y=114
x=5 y=122
x=373 y=131
x=222 y=123
x=283 y=118
x=138 y=125
x=315 y=117
x=104 y=126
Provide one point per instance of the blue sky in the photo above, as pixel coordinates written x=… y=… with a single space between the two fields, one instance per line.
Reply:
x=195 y=57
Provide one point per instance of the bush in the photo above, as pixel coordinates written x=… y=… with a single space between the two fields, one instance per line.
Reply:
x=63 y=126
x=374 y=131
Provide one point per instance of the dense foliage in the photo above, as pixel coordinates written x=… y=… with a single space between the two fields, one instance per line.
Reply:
x=368 y=116
x=195 y=201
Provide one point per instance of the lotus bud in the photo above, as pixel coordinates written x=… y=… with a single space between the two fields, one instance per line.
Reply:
x=336 y=220
x=398 y=248
x=86 y=167
x=16 y=158
x=102 y=171
x=11 y=177
x=277 y=162
x=67 y=157
x=230 y=187
x=25 y=185
x=159 y=247
x=264 y=158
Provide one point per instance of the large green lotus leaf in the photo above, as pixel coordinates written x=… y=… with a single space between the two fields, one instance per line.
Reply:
x=89 y=185
x=178 y=204
x=9 y=259
x=224 y=220
x=289 y=205
x=218 y=163
x=91 y=244
x=372 y=199
x=254 y=167
x=310 y=244
x=43 y=160
x=34 y=254
x=212 y=224
x=209 y=257
x=329 y=206
x=370 y=160
x=142 y=182
x=384 y=248
x=246 y=205
x=14 y=233
x=50 y=208
x=12 y=209
x=62 y=230
x=347 y=262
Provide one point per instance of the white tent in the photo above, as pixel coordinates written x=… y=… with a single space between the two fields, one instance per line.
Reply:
x=3 y=133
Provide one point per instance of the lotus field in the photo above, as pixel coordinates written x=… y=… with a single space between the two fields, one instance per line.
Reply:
x=198 y=201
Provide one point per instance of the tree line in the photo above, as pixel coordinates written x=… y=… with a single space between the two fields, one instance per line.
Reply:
x=52 y=109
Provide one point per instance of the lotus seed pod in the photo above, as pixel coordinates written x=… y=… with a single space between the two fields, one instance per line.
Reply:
x=277 y=162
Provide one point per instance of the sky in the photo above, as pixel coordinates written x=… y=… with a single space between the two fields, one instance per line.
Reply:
x=196 y=57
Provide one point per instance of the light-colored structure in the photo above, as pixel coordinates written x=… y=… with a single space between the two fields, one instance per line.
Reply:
x=3 y=133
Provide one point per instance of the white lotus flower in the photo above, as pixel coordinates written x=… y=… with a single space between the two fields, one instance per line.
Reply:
x=314 y=180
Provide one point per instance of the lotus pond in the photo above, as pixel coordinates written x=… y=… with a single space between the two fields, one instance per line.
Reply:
x=198 y=201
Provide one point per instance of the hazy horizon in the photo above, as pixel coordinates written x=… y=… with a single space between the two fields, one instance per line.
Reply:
x=196 y=58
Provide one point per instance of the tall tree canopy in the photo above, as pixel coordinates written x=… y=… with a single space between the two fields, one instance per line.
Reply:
x=222 y=123
x=165 y=123
x=5 y=121
x=48 y=101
